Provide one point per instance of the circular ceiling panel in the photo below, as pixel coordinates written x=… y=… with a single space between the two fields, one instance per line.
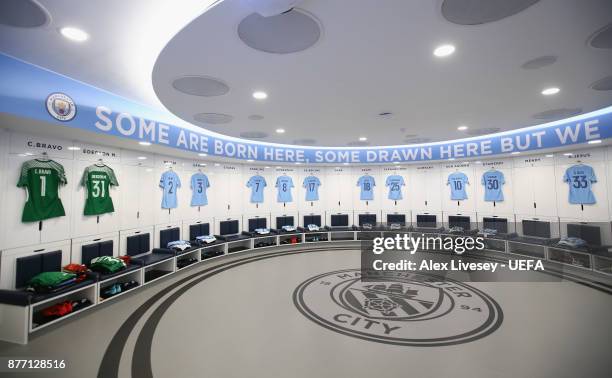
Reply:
x=213 y=118
x=285 y=33
x=476 y=12
x=254 y=134
x=604 y=84
x=200 y=86
x=22 y=14
x=256 y=117
x=540 y=62
x=555 y=114
x=602 y=39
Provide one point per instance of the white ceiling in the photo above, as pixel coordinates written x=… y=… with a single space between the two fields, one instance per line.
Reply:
x=373 y=56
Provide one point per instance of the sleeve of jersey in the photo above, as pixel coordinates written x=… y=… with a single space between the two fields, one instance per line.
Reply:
x=387 y=181
x=291 y=184
x=502 y=178
x=113 y=178
x=373 y=182
x=593 y=177
x=23 y=177
x=178 y=181
x=402 y=182
x=207 y=182
x=304 y=184
x=62 y=174
x=249 y=183
x=483 y=180
x=84 y=177
x=566 y=176
x=276 y=185
x=264 y=183
x=161 y=181
x=191 y=182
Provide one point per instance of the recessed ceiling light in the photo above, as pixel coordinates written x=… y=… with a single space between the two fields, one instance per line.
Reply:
x=28 y=154
x=144 y=143
x=362 y=139
x=217 y=164
x=345 y=163
x=259 y=95
x=478 y=162
x=462 y=128
x=74 y=148
x=278 y=167
x=551 y=91
x=550 y=155
x=297 y=163
x=203 y=155
x=250 y=160
x=451 y=159
x=267 y=167
x=444 y=50
x=142 y=158
x=515 y=153
x=396 y=162
x=567 y=154
x=596 y=141
x=74 y=34
x=280 y=131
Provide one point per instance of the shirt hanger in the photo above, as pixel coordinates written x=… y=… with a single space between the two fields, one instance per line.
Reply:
x=44 y=156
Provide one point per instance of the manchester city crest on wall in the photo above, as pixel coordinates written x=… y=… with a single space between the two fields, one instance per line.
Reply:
x=412 y=309
x=61 y=107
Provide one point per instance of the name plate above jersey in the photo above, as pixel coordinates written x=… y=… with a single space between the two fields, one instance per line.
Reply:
x=92 y=152
x=36 y=145
x=585 y=156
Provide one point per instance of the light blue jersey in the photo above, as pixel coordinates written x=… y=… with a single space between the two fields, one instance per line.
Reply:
x=580 y=179
x=493 y=181
x=199 y=184
x=395 y=183
x=457 y=182
x=169 y=182
x=311 y=184
x=367 y=184
x=284 y=184
x=257 y=184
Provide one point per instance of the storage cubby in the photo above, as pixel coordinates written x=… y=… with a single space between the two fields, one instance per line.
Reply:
x=156 y=271
x=525 y=249
x=568 y=257
x=212 y=251
x=38 y=321
x=239 y=245
x=135 y=275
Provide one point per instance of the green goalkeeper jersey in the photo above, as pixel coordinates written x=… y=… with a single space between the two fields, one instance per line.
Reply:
x=97 y=180
x=42 y=179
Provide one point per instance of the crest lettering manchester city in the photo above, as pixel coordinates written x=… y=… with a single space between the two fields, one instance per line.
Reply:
x=412 y=309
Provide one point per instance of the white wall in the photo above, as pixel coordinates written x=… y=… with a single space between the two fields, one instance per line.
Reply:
x=529 y=179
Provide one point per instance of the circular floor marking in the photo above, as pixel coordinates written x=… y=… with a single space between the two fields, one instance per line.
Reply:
x=411 y=309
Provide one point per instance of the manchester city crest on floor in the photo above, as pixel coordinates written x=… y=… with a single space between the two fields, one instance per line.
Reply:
x=410 y=309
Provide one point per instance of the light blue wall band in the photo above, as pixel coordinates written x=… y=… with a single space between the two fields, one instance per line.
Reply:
x=24 y=89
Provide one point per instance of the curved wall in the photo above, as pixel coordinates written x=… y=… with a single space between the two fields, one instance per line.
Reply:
x=24 y=90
